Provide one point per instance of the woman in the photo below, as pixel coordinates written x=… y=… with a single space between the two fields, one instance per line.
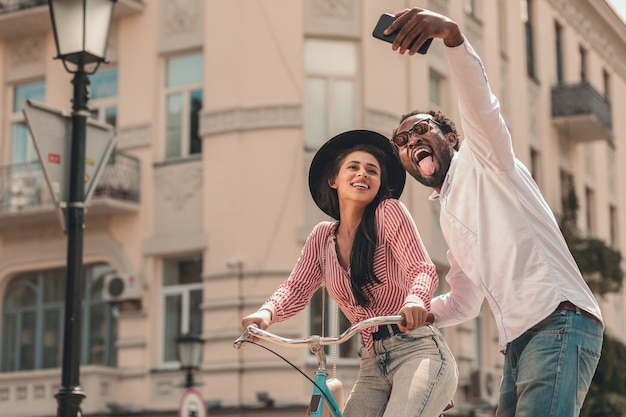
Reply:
x=373 y=263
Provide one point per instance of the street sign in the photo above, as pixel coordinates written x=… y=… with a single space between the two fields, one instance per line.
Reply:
x=51 y=131
x=192 y=404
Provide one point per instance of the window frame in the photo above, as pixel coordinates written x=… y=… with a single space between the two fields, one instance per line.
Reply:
x=43 y=309
x=102 y=104
x=186 y=92
x=16 y=118
x=184 y=291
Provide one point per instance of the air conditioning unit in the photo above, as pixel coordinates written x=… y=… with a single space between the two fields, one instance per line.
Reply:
x=484 y=386
x=122 y=286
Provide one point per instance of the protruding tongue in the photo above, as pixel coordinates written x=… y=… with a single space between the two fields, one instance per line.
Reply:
x=427 y=166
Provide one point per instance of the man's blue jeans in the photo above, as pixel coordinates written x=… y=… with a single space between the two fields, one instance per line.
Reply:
x=548 y=370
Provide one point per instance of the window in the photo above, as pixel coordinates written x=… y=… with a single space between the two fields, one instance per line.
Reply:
x=182 y=296
x=348 y=349
x=589 y=211
x=435 y=82
x=606 y=83
x=103 y=103
x=566 y=183
x=558 y=39
x=535 y=164
x=183 y=102
x=613 y=217
x=33 y=320
x=330 y=90
x=527 y=18
x=22 y=148
x=583 y=63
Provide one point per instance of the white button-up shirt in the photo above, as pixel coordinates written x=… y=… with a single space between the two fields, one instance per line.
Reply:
x=504 y=242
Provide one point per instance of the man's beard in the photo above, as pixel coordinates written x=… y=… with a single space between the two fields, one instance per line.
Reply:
x=435 y=180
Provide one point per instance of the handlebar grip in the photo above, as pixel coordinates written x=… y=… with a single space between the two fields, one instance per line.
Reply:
x=430 y=319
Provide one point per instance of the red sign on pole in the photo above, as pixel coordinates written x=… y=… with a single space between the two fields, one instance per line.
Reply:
x=192 y=404
x=54 y=158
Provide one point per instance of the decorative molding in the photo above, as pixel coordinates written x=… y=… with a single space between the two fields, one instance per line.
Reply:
x=381 y=121
x=181 y=21
x=187 y=242
x=25 y=58
x=181 y=16
x=341 y=9
x=131 y=343
x=179 y=183
x=26 y=51
x=133 y=136
x=332 y=18
x=240 y=119
x=609 y=49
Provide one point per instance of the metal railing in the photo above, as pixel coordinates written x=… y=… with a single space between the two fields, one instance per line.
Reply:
x=120 y=178
x=23 y=186
x=10 y=6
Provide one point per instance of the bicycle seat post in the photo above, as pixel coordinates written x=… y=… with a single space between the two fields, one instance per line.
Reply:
x=318 y=350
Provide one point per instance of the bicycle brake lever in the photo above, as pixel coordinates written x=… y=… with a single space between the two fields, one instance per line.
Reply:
x=238 y=344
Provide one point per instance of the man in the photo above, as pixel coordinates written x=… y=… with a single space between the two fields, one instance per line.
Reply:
x=504 y=242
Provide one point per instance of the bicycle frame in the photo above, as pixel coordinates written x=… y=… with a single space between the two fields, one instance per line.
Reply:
x=321 y=392
x=322 y=396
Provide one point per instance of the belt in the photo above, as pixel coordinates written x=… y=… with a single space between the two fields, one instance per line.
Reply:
x=569 y=306
x=386 y=331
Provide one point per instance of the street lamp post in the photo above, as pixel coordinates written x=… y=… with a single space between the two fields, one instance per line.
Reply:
x=81 y=32
x=189 y=347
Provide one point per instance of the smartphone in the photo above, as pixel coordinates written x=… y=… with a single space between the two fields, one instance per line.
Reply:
x=387 y=19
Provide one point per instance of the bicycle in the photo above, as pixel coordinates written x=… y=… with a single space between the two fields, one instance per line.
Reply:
x=321 y=392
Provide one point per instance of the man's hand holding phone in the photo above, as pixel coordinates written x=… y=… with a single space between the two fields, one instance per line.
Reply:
x=380 y=32
x=413 y=30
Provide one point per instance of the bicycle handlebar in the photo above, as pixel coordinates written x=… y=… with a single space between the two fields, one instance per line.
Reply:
x=254 y=331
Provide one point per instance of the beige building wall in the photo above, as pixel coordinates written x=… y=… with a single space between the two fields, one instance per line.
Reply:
x=242 y=205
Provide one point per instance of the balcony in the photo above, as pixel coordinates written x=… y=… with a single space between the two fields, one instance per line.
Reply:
x=581 y=113
x=25 y=17
x=25 y=198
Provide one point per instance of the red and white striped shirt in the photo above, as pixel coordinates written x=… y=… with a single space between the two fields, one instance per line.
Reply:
x=400 y=262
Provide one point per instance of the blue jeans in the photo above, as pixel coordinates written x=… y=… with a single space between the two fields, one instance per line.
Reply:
x=407 y=375
x=548 y=370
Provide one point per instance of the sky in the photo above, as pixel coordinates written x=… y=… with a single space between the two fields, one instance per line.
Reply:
x=619 y=6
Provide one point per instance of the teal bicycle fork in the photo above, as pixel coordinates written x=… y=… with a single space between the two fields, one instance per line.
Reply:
x=321 y=392
x=323 y=395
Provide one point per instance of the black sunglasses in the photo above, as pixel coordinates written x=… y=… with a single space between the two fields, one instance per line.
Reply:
x=420 y=128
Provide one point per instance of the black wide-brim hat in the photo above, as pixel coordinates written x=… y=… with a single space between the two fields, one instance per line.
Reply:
x=346 y=140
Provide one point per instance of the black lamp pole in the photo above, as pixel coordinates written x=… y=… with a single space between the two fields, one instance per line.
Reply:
x=189 y=378
x=70 y=395
x=189 y=347
x=80 y=40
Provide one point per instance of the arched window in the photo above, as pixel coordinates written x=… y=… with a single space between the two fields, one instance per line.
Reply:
x=32 y=330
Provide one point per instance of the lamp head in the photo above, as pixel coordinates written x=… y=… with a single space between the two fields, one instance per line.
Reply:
x=81 y=29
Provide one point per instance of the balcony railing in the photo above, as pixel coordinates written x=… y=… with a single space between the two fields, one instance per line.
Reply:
x=581 y=113
x=120 y=179
x=9 y=6
x=23 y=188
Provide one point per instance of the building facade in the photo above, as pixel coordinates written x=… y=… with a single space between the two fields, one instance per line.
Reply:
x=204 y=206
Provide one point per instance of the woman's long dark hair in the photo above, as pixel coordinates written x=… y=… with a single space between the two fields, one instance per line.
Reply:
x=362 y=275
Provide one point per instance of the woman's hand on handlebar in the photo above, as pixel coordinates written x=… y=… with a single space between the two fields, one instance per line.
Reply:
x=262 y=318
